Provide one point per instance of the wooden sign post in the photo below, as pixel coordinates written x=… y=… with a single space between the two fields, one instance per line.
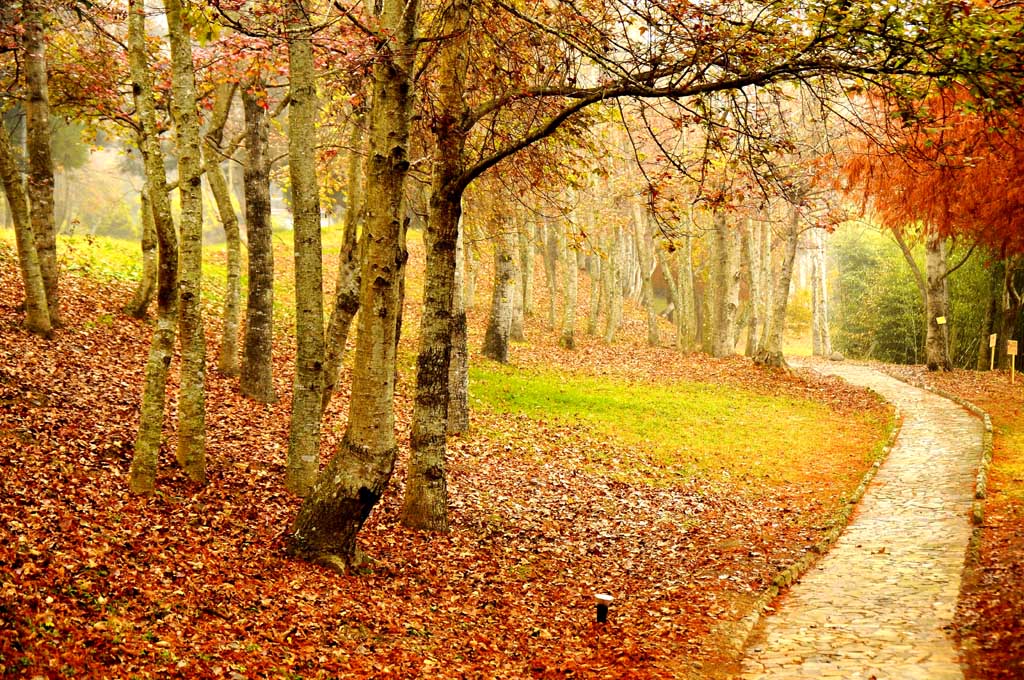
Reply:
x=992 y=351
x=1011 y=351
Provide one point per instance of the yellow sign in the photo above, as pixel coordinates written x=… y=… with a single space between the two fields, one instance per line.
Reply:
x=1011 y=347
x=941 y=320
x=992 y=340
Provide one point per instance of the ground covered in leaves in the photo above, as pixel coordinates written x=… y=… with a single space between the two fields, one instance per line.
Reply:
x=193 y=582
x=990 y=618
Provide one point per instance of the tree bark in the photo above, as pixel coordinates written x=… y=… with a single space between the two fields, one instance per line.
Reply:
x=526 y=253
x=500 y=320
x=595 y=270
x=257 y=379
x=643 y=237
x=40 y=157
x=822 y=341
x=346 y=294
x=227 y=357
x=569 y=297
x=1012 y=300
x=425 y=505
x=613 y=285
x=139 y=304
x=770 y=351
x=937 y=306
x=458 y=371
x=37 y=316
x=142 y=477
x=551 y=270
x=191 y=453
x=349 y=487
x=727 y=286
x=516 y=332
x=307 y=394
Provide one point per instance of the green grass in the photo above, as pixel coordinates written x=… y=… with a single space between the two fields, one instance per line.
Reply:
x=693 y=429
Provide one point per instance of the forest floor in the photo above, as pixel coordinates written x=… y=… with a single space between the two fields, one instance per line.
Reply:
x=990 y=616
x=194 y=583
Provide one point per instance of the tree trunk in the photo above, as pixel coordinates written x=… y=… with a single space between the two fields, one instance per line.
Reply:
x=143 y=295
x=755 y=285
x=147 y=444
x=551 y=270
x=346 y=294
x=458 y=371
x=425 y=505
x=595 y=271
x=770 y=351
x=571 y=274
x=307 y=394
x=613 y=285
x=822 y=339
x=1011 y=306
x=40 y=158
x=257 y=379
x=37 y=316
x=727 y=286
x=643 y=237
x=227 y=357
x=526 y=256
x=516 y=332
x=987 y=324
x=192 y=382
x=500 y=320
x=353 y=481
x=936 y=306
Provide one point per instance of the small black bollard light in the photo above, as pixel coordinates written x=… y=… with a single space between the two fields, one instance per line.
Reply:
x=603 y=601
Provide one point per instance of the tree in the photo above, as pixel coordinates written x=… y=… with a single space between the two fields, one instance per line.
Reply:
x=354 y=479
x=40 y=158
x=192 y=389
x=147 y=444
x=307 y=395
x=256 y=377
x=37 y=316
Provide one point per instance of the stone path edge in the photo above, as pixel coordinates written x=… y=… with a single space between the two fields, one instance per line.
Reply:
x=743 y=629
x=981 y=481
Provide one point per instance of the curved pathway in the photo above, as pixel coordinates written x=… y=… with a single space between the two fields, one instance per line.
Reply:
x=880 y=604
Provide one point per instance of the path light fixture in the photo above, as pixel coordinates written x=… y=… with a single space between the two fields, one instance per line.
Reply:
x=603 y=601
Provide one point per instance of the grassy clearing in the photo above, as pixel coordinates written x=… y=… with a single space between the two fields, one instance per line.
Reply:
x=687 y=429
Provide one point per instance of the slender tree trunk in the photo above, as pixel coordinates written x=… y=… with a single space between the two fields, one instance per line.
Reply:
x=458 y=371
x=516 y=332
x=755 y=284
x=143 y=295
x=307 y=395
x=257 y=379
x=349 y=487
x=551 y=270
x=40 y=158
x=643 y=237
x=37 y=316
x=595 y=271
x=526 y=257
x=227 y=357
x=982 y=360
x=1012 y=300
x=346 y=294
x=192 y=383
x=142 y=477
x=500 y=320
x=727 y=286
x=469 y=269
x=425 y=505
x=613 y=285
x=770 y=351
x=936 y=342
x=822 y=340
x=569 y=298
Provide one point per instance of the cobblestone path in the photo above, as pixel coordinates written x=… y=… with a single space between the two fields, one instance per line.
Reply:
x=880 y=604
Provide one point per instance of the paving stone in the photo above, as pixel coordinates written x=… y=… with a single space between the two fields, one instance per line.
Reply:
x=881 y=602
